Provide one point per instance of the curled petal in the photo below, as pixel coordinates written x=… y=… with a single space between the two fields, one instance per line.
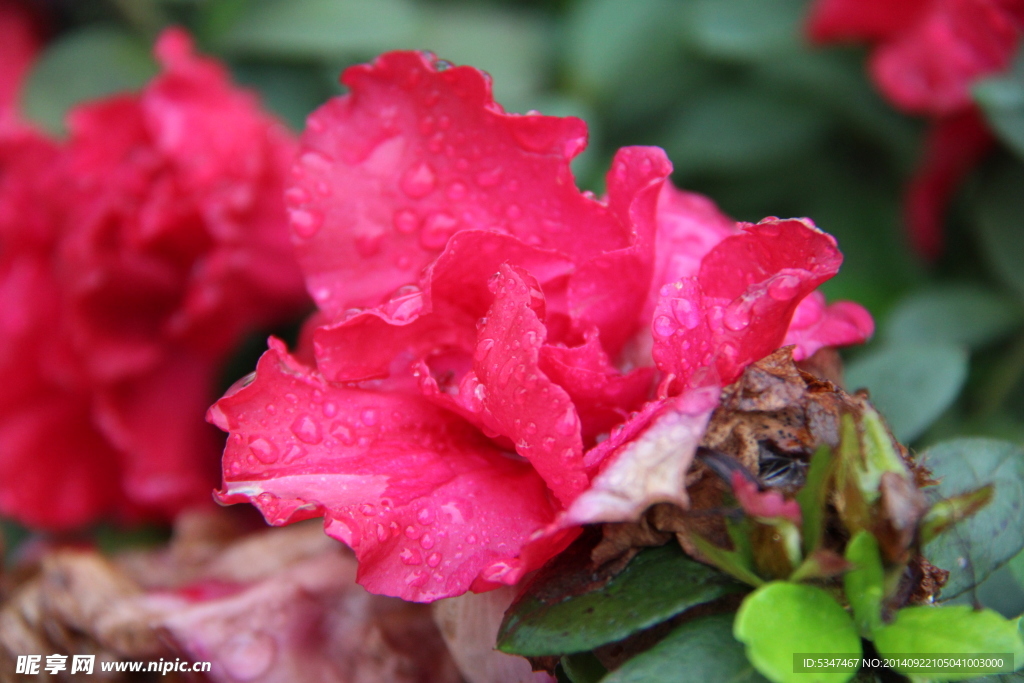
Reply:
x=608 y=290
x=689 y=226
x=738 y=308
x=516 y=399
x=816 y=324
x=425 y=501
x=650 y=468
x=416 y=153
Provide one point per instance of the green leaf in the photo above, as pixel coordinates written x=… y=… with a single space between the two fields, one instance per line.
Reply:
x=813 y=497
x=321 y=29
x=865 y=583
x=583 y=668
x=984 y=542
x=957 y=629
x=999 y=217
x=699 y=650
x=743 y=29
x=627 y=604
x=1017 y=568
x=733 y=129
x=732 y=562
x=1002 y=100
x=962 y=315
x=781 y=619
x=82 y=65
x=290 y=91
x=911 y=385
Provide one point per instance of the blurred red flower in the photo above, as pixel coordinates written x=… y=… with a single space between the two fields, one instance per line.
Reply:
x=927 y=56
x=132 y=258
x=498 y=357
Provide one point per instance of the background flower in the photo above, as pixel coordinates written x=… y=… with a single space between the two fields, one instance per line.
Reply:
x=134 y=257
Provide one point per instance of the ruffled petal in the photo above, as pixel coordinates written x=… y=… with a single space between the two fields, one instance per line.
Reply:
x=739 y=307
x=426 y=502
x=417 y=152
x=608 y=290
x=816 y=325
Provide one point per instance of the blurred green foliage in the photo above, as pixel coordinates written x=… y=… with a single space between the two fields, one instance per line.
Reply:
x=749 y=112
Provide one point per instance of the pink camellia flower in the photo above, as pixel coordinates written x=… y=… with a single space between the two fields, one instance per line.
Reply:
x=131 y=259
x=498 y=357
x=928 y=55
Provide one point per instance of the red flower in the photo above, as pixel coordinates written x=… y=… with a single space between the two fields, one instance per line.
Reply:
x=928 y=55
x=499 y=357
x=132 y=259
x=19 y=43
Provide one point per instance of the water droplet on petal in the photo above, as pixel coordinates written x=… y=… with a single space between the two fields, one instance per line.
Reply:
x=330 y=409
x=483 y=347
x=663 y=326
x=419 y=180
x=456 y=191
x=433 y=559
x=307 y=429
x=737 y=315
x=369 y=416
x=264 y=450
x=425 y=516
x=305 y=222
x=410 y=557
x=783 y=287
x=437 y=228
x=489 y=178
x=406 y=221
x=427 y=542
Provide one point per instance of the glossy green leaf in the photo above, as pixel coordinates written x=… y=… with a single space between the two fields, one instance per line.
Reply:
x=987 y=540
x=699 y=650
x=627 y=604
x=999 y=217
x=911 y=385
x=957 y=629
x=962 y=315
x=732 y=562
x=865 y=583
x=85 y=64
x=321 y=29
x=813 y=497
x=1002 y=100
x=781 y=619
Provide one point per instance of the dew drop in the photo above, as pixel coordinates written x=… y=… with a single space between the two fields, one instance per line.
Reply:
x=369 y=243
x=307 y=429
x=513 y=212
x=419 y=180
x=406 y=221
x=663 y=326
x=568 y=423
x=296 y=195
x=305 y=222
x=271 y=409
x=427 y=542
x=264 y=450
x=784 y=287
x=456 y=191
x=410 y=557
x=369 y=416
x=437 y=228
x=433 y=559
x=471 y=539
x=425 y=516
x=330 y=409
x=737 y=315
x=483 y=347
